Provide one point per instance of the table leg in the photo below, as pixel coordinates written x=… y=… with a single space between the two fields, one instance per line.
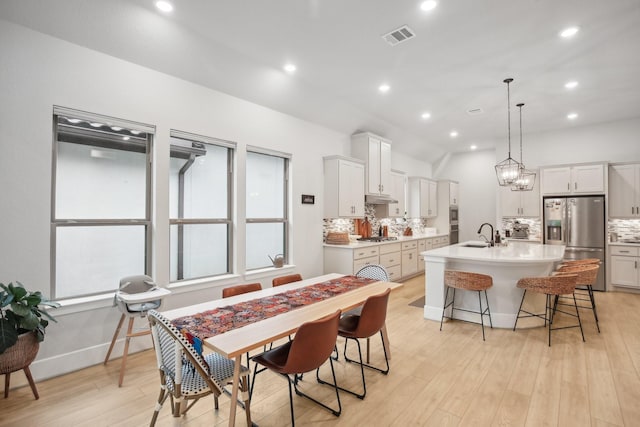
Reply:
x=234 y=392
x=385 y=338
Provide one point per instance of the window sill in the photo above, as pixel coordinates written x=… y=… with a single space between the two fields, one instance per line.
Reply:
x=269 y=272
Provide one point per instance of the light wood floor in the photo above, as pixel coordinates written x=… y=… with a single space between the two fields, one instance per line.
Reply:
x=448 y=378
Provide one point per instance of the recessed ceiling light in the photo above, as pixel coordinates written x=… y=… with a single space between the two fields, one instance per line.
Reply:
x=384 y=88
x=290 y=68
x=126 y=138
x=426 y=115
x=453 y=133
x=473 y=147
x=428 y=5
x=569 y=32
x=572 y=116
x=571 y=85
x=164 y=6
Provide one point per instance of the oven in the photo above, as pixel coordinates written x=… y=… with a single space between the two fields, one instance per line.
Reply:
x=453 y=214
x=453 y=233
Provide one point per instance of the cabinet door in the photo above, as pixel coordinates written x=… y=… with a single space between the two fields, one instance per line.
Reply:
x=588 y=179
x=396 y=210
x=373 y=166
x=510 y=202
x=623 y=190
x=351 y=189
x=409 y=262
x=624 y=271
x=386 y=186
x=530 y=201
x=433 y=199
x=453 y=193
x=556 y=180
x=424 y=198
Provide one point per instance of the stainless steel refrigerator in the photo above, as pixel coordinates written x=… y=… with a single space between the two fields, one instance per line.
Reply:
x=579 y=224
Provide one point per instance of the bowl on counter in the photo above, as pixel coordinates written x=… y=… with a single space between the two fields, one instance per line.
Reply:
x=353 y=238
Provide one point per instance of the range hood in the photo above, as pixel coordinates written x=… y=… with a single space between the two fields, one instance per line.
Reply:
x=378 y=200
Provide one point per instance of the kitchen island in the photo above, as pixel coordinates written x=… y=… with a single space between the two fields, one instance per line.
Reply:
x=505 y=264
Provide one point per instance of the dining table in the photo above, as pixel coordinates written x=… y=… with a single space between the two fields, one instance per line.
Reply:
x=233 y=343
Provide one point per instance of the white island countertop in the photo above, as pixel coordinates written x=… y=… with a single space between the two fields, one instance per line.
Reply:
x=512 y=253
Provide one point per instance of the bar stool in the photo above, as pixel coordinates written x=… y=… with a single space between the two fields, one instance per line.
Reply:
x=470 y=282
x=562 y=284
x=587 y=275
x=283 y=280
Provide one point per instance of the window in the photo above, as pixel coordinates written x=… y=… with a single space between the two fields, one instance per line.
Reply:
x=100 y=220
x=267 y=222
x=200 y=206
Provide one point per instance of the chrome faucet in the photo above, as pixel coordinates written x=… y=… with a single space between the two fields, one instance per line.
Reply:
x=491 y=242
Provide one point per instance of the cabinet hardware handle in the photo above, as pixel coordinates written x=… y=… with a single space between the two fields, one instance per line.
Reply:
x=624 y=252
x=568 y=188
x=636 y=264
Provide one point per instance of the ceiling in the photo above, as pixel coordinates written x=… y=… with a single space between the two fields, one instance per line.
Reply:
x=462 y=52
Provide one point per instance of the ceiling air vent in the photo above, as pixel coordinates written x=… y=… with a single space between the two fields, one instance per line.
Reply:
x=399 y=35
x=474 y=111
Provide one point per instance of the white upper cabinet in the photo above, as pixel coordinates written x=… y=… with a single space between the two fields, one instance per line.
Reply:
x=398 y=185
x=343 y=187
x=582 y=179
x=453 y=193
x=624 y=191
x=423 y=198
x=520 y=203
x=376 y=152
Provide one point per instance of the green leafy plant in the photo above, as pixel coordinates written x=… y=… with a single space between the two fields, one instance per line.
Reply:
x=20 y=312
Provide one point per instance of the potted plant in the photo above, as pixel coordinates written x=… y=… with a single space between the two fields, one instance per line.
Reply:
x=22 y=327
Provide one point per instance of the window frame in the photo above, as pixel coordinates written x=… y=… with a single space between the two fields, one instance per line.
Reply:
x=286 y=196
x=150 y=131
x=231 y=149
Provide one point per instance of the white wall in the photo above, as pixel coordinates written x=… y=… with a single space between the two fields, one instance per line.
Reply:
x=38 y=72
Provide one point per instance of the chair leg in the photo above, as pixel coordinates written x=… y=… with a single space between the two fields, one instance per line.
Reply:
x=548 y=312
x=161 y=399
x=444 y=307
x=519 y=309
x=244 y=387
x=115 y=337
x=578 y=315
x=125 y=352
x=593 y=306
x=293 y=418
x=481 y=315
x=488 y=309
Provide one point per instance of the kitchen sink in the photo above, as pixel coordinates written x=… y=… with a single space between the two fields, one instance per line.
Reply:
x=475 y=244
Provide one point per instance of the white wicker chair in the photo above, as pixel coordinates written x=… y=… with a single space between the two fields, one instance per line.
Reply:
x=187 y=375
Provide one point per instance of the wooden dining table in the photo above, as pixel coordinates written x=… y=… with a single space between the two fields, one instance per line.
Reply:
x=234 y=343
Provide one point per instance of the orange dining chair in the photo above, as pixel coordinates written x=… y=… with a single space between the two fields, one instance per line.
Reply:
x=283 y=280
x=232 y=291
x=370 y=322
x=310 y=348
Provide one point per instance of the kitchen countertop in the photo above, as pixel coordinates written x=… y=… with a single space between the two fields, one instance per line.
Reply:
x=386 y=242
x=530 y=239
x=531 y=253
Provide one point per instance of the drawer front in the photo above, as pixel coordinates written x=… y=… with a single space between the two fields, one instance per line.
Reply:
x=358 y=264
x=409 y=262
x=624 y=250
x=422 y=245
x=391 y=247
x=389 y=260
x=366 y=252
x=409 y=245
x=395 y=273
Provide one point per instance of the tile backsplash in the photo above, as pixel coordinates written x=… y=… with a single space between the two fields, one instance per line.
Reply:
x=396 y=225
x=625 y=228
x=535 y=226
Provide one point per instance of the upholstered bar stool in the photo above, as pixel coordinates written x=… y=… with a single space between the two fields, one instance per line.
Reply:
x=550 y=286
x=587 y=275
x=469 y=282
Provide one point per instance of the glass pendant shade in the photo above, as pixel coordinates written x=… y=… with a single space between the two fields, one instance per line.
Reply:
x=508 y=170
x=526 y=178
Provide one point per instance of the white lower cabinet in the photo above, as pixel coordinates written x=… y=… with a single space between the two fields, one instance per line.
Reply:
x=401 y=259
x=409 y=258
x=390 y=259
x=625 y=266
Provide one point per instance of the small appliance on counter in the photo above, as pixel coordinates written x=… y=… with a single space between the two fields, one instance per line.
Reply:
x=520 y=231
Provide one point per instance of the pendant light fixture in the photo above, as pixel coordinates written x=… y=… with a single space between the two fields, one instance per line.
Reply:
x=526 y=178
x=507 y=171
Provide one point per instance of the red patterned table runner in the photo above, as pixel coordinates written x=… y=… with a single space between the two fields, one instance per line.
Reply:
x=222 y=319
